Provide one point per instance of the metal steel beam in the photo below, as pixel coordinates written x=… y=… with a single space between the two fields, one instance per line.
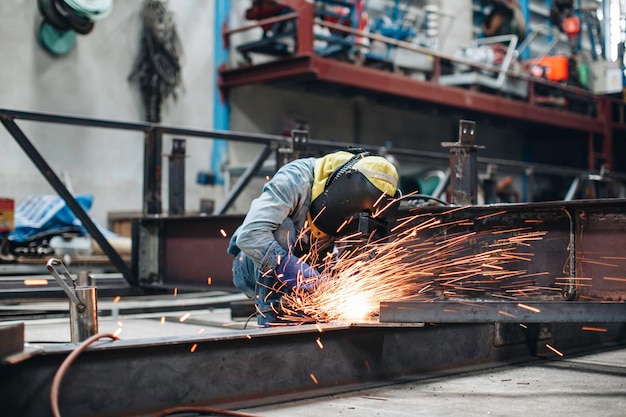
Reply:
x=259 y=367
x=153 y=145
x=313 y=68
x=267 y=139
x=244 y=179
x=176 y=175
x=530 y=311
x=581 y=256
x=186 y=251
x=142 y=127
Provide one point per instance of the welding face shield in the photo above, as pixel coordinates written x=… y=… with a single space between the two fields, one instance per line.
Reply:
x=363 y=184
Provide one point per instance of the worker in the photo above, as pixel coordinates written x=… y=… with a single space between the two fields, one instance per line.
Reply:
x=292 y=226
x=504 y=18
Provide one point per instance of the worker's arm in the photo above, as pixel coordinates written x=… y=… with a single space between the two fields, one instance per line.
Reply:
x=288 y=193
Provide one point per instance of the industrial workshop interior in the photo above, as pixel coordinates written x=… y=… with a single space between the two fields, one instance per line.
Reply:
x=312 y=208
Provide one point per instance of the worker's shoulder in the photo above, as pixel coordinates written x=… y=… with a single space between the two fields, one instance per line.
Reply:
x=301 y=166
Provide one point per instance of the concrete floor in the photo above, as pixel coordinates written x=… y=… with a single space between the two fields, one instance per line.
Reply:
x=592 y=385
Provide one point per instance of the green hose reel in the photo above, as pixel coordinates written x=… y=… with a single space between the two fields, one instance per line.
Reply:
x=64 y=19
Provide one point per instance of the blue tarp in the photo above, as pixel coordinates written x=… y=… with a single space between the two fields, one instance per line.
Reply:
x=46 y=213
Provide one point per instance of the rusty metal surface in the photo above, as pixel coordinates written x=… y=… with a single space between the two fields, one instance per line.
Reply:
x=503 y=312
x=582 y=251
x=260 y=367
x=310 y=68
x=577 y=271
x=11 y=339
x=187 y=251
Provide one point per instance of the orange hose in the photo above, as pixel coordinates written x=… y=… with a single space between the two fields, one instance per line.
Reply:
x=58 y=377
x=56 y=382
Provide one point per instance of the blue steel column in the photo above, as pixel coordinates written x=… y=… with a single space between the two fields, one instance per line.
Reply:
x=525 y=9
x=221 y=106
x=526 y=181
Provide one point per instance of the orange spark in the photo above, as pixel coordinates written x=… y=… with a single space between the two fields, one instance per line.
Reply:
x=345 y=222
x=117 y=299
x=424 y=257
x=120 y=323
x=209 y=280
x=589 y=261
x=162 y=319
x=201 y=331
x=175 y=292
x=248 y=336
x=595 y=329
x=527 y=307
x=614 y=279
x=184 y=317
x=117 y=332
x=313 y=378
x=573 y=279
x=504 y=313
x=319 y=343
x=319 y=328
x=193 y=347
x=554 y=350
x=491 y=215
x=223 y=233
x=33 y=282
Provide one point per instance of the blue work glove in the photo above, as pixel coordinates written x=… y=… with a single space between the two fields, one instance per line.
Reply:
x=295 y=273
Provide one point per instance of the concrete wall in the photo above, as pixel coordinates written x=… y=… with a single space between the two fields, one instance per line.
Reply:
x=91 y=81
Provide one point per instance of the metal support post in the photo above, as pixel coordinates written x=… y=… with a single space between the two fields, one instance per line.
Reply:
x=490 y=184
x=463 y=168
x=153 y=143
x=176 y=176
x=244 y=180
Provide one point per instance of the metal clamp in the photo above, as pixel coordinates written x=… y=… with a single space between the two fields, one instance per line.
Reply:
x=83 y=301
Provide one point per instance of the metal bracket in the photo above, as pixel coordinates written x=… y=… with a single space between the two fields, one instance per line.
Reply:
x=299 y=142
x=83 y=301
x=463 y=167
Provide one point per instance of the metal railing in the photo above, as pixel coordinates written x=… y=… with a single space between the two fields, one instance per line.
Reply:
x=153 y=135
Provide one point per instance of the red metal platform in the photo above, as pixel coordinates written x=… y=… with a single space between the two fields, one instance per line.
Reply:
x=304 y=68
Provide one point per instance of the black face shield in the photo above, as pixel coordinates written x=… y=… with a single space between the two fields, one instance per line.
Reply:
x=348 y=192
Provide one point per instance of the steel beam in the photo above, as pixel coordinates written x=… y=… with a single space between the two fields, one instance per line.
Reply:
x=257 y=138
x=153 y=145
x=186 y=251
x=530 y=311
x=260 y=367
x=176 y=176
x=312 y=68
x=244 y=179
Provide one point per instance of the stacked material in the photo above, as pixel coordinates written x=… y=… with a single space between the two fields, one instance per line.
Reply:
x=63 y=19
